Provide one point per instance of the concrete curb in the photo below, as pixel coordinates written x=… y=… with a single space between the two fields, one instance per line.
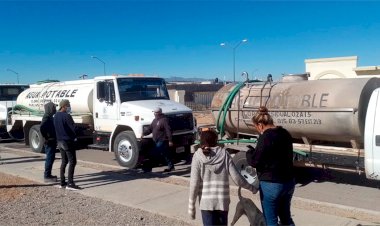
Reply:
x=323 y=207
x=336 y=209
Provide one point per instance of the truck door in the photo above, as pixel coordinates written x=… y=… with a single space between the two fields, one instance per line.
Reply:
x=105 y=106
x=372 y=137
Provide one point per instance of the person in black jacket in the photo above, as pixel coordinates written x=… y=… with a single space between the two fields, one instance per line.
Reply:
x=66 y=137
x=162 y=137
x=273 y=160
x=48 y=132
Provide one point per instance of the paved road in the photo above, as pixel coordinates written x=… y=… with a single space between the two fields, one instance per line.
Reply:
x=328 y=187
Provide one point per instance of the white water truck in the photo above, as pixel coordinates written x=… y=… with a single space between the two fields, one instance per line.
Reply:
x=335 y=123
x=112 y=110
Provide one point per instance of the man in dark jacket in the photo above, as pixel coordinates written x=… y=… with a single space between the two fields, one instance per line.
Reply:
x=48 y=132
x=66 y=136
x=162 y=137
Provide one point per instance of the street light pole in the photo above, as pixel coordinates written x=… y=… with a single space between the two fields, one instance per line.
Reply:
x=83 y=77
x=15 y=73
x=234 y=54
x=104 y=64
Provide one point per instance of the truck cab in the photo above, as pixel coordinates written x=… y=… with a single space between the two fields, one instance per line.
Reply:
x=372 y=137
x=123 y=107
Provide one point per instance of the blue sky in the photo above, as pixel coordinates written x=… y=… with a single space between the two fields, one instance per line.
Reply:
x=56 y=39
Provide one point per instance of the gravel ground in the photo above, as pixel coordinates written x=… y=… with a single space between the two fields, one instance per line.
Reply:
x=204 y=117
x=24 y=202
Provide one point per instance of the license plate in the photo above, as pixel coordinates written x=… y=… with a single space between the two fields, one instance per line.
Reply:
x=180 y=149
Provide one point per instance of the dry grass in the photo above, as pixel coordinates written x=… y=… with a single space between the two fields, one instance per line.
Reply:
x=204 y=118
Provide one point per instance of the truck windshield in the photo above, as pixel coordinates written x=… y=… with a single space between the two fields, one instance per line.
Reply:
x=132 y=89
x=10 y=92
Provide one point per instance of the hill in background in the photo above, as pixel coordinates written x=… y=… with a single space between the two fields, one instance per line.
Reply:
x=181 y=79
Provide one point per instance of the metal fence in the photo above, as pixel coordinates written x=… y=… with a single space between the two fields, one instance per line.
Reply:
x=199 y=101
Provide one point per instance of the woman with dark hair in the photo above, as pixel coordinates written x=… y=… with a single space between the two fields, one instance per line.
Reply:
x=273 y=160
x=210 y=170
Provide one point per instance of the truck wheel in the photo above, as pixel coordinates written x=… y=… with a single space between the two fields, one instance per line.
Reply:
x=247 y=171
x=126 y=149
x=36 y=141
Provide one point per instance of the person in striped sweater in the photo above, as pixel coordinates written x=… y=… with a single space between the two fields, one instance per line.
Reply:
x=210 y=170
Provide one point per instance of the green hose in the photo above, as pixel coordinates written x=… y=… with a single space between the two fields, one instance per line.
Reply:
x=224 y=110
x=46 y=81
x=22 y=108
x=220 y=123
x=245 y=141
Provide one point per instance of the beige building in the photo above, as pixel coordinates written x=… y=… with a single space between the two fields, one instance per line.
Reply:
x=339 y=67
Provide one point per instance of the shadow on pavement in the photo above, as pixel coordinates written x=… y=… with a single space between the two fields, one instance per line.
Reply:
x=25 y=159
x=305 y=175
x=115 y=176
x=24 y=186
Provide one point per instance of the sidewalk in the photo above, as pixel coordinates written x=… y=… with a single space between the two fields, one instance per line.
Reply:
x=138 y=191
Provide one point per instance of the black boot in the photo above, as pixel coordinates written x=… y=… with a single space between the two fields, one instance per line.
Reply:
x=169 y=169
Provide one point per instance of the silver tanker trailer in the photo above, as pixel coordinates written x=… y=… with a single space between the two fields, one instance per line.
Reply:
x=335 y=122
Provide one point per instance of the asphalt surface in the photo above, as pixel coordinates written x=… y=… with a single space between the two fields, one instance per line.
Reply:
x=318 y=188
x=348 y=189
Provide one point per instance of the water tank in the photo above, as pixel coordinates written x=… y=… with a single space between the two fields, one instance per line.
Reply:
x=326 y=110
x=79 y=93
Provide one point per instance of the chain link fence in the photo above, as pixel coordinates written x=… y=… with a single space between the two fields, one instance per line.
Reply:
x=199 y=101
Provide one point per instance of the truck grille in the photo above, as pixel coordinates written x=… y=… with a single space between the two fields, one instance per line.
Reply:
x=181 y=122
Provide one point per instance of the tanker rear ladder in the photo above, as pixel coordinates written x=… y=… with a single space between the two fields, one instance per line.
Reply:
x=304 y=156
x=261 y=94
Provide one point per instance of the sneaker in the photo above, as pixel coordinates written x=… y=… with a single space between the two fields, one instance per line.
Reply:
x=63 y=185
x=73 y=187
x=169 y=169
x=50 y=178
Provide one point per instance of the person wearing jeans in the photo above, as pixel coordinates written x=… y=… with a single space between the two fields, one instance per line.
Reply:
x=47 y=130
x=162 y=147
x=66 y=137
x=49 y=161
x=273 y=160
x=162 y=137
x=214 y=217
x=69 y=156
x=276 y=199
x=211 y=169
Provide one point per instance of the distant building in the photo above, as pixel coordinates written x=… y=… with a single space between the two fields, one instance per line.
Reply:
x=339 y=67
x=196 y=96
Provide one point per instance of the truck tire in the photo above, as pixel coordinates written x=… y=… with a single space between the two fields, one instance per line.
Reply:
x=36 y=140
x=247 y=171
x=126 y=149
